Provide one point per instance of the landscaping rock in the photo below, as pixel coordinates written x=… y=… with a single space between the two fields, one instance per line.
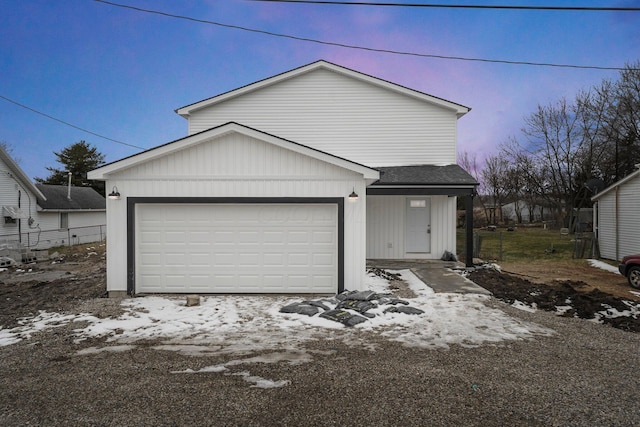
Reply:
x=344 y=317
x=360 y=306
x=301 y=308
x=404 y=309
x=361 y=295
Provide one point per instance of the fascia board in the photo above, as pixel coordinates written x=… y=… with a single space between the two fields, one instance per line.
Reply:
x=617 y=184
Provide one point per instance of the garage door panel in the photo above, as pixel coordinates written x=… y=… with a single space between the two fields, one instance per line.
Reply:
x=298 y=237
x=211 y=248
x=323 y=237
x=322 y=260
x=222 y=237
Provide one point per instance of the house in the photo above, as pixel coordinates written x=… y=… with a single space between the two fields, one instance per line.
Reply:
x=288 y=185
x=71 y=214
x=616 y=216
x=18 y=196
x=39 y=216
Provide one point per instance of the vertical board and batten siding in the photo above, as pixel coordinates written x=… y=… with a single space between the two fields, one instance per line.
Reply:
x=625 y=234
x=386 y=216
x=343 y=116
x=236 y=165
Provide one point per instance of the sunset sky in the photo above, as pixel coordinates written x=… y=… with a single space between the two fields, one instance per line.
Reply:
x=121 y=73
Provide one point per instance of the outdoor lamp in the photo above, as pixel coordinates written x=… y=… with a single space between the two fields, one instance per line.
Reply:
x=353 y=196
x=115 y=194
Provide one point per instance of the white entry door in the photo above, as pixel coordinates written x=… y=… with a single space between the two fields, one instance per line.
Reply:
x=236 y=248
x=418 y=225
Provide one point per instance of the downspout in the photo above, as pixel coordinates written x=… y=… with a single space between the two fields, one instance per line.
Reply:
x=19 y=219
x=616 y=227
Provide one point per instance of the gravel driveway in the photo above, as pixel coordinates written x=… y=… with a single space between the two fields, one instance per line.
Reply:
x=585 y=374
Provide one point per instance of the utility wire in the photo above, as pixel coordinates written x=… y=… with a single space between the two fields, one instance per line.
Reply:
x=68 y=124
x=460 y=6
x=356 y=47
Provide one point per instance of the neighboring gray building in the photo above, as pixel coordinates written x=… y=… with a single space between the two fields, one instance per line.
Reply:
x=616 y=216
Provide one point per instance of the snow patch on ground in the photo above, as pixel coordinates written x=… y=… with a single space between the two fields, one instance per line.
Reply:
x=603 y=266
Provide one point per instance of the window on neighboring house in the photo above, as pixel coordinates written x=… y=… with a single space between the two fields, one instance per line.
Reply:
x=64 y=220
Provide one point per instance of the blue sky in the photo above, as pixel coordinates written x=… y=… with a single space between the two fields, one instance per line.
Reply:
x=122 y=73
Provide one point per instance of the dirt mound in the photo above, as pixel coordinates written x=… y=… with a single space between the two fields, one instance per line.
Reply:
x=563 y=297
x=28 y=289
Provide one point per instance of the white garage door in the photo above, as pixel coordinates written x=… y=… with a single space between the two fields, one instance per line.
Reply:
x=236 y=248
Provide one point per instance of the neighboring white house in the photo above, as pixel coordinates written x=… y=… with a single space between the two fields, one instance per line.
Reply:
x=43 y=216
x=71 y=215
x=616 y=215
x=287 y=185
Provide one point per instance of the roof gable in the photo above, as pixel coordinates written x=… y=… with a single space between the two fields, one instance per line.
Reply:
x=182 y=144
x=459 y=109
x=82 y=198
x=18 y=174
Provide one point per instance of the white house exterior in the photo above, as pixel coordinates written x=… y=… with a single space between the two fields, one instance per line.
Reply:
x=257 y=197
x=36 y=217
x=617 y=218
x=18 y=196
x=70 y=215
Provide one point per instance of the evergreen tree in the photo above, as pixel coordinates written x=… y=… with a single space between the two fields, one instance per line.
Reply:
x=78 y=158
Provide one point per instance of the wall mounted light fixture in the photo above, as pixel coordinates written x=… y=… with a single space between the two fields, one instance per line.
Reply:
x=353 y=196
x=115 y=194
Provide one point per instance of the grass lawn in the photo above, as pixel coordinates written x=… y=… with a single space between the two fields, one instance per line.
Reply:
x=523 y=244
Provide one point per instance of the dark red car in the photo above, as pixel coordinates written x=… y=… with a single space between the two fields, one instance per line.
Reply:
x=630 y=267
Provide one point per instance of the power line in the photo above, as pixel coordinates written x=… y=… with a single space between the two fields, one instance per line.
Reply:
x=68 y=124
x=365 y=48
x=460 y=6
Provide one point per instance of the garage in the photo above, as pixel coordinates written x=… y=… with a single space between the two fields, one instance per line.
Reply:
x=236 y=247
x=235 y=210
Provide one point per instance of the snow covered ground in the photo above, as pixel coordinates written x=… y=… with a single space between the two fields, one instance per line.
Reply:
x=603 y=266
x=245 y=324
x=251 y=329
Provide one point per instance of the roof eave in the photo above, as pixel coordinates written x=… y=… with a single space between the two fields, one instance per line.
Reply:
x=614 y=185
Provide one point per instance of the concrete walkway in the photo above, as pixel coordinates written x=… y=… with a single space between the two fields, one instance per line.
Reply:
x=436 y=274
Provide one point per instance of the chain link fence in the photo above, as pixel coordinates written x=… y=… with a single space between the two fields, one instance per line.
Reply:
x=44 y=239
x=498 y=245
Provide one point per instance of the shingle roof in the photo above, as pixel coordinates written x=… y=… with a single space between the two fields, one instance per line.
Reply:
x=81 y=198
x=424 y=175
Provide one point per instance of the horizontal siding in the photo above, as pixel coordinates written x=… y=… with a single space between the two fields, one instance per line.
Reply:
x=345 y=117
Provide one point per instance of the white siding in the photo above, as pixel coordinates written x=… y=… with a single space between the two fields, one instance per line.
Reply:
x=9 y=190
x=386 y=227
x=349 y=118
x=235 y=165
x=618 y=232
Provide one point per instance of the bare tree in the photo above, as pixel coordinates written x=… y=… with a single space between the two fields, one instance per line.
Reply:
x=495 y=181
